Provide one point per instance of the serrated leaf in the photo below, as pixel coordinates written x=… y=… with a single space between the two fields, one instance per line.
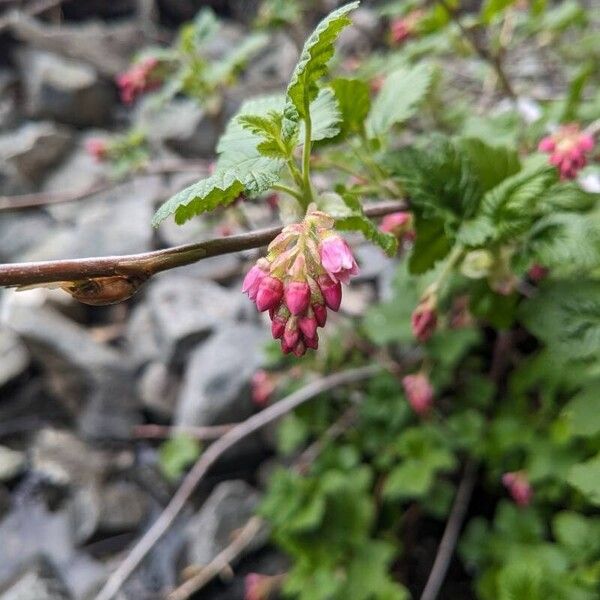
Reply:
x=316 y=54
x=399 y=98
x=583 y=411
x=586 y=478
x=354 y=103
x=431 y=245
x=566 y=316
x=349 y=216
x=325 y=116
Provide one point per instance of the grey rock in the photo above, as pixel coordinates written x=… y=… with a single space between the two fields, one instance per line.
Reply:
x=12 y=463
x=20 y=231
x=182 y=126
x=216 y=384
x=157 y=390
x=365 y=30
x=105 y=46
x=38 y=581
x=63 y=89
x=271 y=69
x=228 y=508
x=141 y=336
x=186 y=310
x=31 y=531
x=28 y=152
x=8 y=99
x=123 y=506
x=63 y=459
x=372 y=262
x=14 y=357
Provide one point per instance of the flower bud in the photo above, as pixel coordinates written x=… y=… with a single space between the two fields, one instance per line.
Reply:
x=278 y=326
x=263 y=385
x=419 y=392
x=299 y=349
x=519 y=487
x=291 y=333
x=332 y=292
x=297 y=296
x=308 y=326
x=399 y=224
x=337 y=258
x=253 y=279
x=269 y=294
x=320 y=312
x=312 y=342
x=424 y=320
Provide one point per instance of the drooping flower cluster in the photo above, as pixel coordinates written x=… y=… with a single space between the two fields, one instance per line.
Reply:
x=568 y=148
x=301 y=278
x=419 y=392
x=400 y=225
x=140 y=78
x=517 y=484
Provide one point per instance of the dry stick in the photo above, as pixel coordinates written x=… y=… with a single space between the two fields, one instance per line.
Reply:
x=493 y=60
x=24 y=201
x=221 y=562
x=208 y=459
x=149 y=263
x=160 y=432
x=451 y=532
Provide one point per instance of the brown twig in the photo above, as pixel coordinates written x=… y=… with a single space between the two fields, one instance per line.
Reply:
x=210 y=457
x=221 y=562
x=451 y=532
x=24 y=201
x=494 y=60
x=143 y=266
x=161 y=432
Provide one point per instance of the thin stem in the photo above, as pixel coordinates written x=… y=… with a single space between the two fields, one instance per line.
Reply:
x=287 y=190
x=306 y=150
x=142 y=266
x=210 y=457
x=494 y=60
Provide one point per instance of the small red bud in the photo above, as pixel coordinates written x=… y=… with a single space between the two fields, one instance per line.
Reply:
x=297 y=296
x=291 y=333
x=419 y=392
x=424 y=321
x=332 y=292
x=299 y=349
x=269 y=294
x=308 y=326
x=320 y=311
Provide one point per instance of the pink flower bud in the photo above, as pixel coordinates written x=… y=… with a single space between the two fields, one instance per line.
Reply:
x=291 y=333
x=332 y=292
x=269 y=294
x=537 y=273
x=308 y=326
x=547 y=144
x=97 y=148
x=320 y=312
x=299 y=349
x=312 y=342
x=419 y=392
x=256 y=586
x=424 y=321
x=399 y=31
x=395 y=221
x=263 y=386
x=297 y=296
x=337 y=258
x=278 y=326
x=518 y=485
x=253 y=280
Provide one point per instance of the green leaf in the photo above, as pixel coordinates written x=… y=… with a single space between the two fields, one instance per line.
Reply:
x=492 y=8
x=349 y=216
x=586 y=478
x=566 y=316
x=316 y=54
x=325 y=116
x=277 y=142
x=583 y=411
x=354 y=102
x=176 y=454
x=220 y=189
x=399 y=98
x=431 y=245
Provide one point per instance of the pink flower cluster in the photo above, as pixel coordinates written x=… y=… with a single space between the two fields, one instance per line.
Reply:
x=568 y=147
x=518 y=486
x=419 y=391
x=300 y=279
x=97 y=148
x=140 y=78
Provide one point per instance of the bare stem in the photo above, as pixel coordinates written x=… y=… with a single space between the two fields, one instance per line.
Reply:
x=145 y=265
x=494 y=60
x=306 y=150
x=451 y=532
x=210 y=457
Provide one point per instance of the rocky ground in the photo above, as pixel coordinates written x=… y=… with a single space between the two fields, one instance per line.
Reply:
x=77 y=487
